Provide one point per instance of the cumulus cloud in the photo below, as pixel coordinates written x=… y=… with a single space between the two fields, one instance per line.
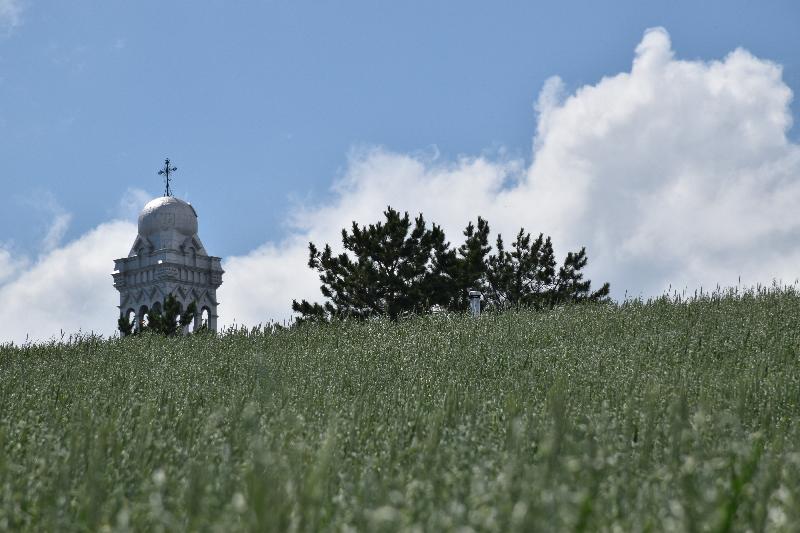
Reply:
x=674 y=173
x=132 y=202
x=677 y=172
x=69 y=288
x=10 y=264
x=56 y=230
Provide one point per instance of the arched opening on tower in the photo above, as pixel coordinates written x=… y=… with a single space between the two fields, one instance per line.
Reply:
x=144 y=315
x=130 y=316
x=156 y=307
x=180 y=315
x=204 y=314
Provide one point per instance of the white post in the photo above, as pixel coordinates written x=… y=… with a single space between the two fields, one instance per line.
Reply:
x=475 y=303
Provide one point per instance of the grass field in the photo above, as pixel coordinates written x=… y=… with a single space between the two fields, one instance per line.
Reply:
x=665 y=415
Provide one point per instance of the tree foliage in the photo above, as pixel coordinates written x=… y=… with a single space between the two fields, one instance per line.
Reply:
x=393 y=267
x=396 y=267
x=126 y=326
x=169 y=322
x=526 y=275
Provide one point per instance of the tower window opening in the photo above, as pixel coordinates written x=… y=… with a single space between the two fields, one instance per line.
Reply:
x=130 y=316
x=144 y=316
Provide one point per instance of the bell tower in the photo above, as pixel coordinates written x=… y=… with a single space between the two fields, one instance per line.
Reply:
x=167 y=257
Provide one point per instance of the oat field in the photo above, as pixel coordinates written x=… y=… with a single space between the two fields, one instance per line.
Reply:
x=667 y=415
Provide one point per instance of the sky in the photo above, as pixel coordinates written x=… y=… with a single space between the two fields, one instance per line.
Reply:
x=658 y=135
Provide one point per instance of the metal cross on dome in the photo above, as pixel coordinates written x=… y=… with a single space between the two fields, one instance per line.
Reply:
x=166 y=172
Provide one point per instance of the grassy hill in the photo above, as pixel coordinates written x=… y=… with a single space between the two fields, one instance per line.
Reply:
x=664 y=415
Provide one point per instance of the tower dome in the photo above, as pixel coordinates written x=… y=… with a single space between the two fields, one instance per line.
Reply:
x=167 y=213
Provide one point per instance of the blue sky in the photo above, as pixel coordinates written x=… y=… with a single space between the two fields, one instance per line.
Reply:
x=275 y=109
x=259 y=103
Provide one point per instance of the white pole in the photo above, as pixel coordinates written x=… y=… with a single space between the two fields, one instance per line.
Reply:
x=475 y=303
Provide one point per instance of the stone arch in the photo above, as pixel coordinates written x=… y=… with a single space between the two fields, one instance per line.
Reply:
x=156 y=306
x=132 y=318
x=144 y=315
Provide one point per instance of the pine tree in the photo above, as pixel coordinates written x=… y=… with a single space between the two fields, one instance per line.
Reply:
x=523 y=276
x=391 y=269
x=468 y=271
x=171 y=321
x=526 y=276
x=394 y=268
x=125 y=326
x=570 y=285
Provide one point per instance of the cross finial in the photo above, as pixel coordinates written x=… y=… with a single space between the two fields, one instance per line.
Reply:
x=166 y=171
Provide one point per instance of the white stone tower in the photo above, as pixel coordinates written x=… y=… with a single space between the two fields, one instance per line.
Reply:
x=167 y=257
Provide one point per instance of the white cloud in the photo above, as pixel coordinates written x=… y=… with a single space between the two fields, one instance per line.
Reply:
x=67 y=289
x=55 y=232
x=10 y=13
x=58 y=221
x=10 y=265
x=132 y=202
x=677 y=172
x=674 y=173
x=259 y=286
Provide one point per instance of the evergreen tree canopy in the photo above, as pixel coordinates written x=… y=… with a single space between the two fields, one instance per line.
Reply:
x=171 y=321
x=526 y=275
x=168 y=322
x=397 y=267
x=469 y=269
x=523 y=276
x=125 y=326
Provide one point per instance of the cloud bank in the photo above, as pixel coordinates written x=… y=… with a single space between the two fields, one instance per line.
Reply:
x=66 y=289
x=675 y=173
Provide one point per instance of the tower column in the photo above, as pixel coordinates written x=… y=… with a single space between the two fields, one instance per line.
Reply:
x=212 y=319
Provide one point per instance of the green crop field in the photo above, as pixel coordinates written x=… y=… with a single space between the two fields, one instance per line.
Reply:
x=662 y=415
